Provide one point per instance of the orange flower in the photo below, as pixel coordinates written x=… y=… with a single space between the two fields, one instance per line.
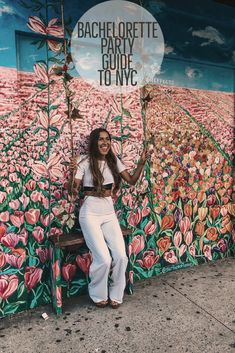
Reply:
x=201 y=196
x=227 y=224
x=164 y=243
x=167 y=222
x=200 y=228
x=231 y=208
x=188 y=210
x=211 y=234
x=214 y=211
x=202 y=212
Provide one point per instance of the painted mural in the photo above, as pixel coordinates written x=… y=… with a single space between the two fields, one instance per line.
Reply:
x=182 y=210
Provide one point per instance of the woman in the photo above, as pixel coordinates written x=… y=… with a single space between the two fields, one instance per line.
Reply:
x=101 y=172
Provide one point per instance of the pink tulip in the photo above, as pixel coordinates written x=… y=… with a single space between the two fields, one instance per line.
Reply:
x=46 y=220
x=84 y=262
x=2 y=259
x=149 y=259
x=41 y=73
x=8 y=285
x=4 y=216
x=11 y=169
x=13 y=177
x=16 y=259
x=150 y=228
x=32 y=216
x=134 y=218
x=43 y=119
x=45 y=202
x=54 y=46
x=23 y=236
x=17 y=219
x=69 y=271
x=184 y=224
x=55 y=30
x=30 y=185
x=182 y=250
x=4 y=183
x=43 y=186
x=36 y=196
x=192 y=250
x=127 y=200
x=223 y=211
x=170 y=257
x=137 y=245
x=38 y=234
x=3 y=196
x=43 y=255
x=32 y=276
x=188 y=238
x=36 y=25
x=24 y=200
x=145 y=211
x=24 y=171
x=14 y=204
x=10 y=240
x=56 y=231
x=3 y=230
x=207 y=252
x=177 y=239
x=9 y=190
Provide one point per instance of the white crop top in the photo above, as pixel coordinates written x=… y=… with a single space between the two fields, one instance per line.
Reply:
x=83 y=171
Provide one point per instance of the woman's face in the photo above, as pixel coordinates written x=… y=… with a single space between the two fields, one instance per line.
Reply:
x=104 y=143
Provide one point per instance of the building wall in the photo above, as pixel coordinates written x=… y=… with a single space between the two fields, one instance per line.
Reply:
x=181 y=211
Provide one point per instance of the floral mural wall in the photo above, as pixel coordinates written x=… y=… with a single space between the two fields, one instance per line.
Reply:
x=182 y=210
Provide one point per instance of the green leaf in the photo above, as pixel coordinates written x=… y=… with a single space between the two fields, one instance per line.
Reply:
x=20 y=290
x=40 y=85
x=39 y=291
x=11 y=271
x=12 y=307
x=11 y=229
x=32 y=261
x=191 y=259
x=43 y=41
x=29 y=227
x=41 y=62
x=35 y=42
x=53 y=107
x=55 y=60
x=116 y=118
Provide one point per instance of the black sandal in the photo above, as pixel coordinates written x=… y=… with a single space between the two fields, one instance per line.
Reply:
x=102 y=304
x=114 y=304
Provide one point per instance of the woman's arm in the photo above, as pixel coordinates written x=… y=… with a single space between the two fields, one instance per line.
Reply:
x=74 y=183
x=132 y=179
x=74 y=186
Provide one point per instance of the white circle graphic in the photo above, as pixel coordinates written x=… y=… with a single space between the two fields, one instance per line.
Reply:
x=117 y=46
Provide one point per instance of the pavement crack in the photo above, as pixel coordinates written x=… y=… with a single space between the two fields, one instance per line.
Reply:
x=199 y=306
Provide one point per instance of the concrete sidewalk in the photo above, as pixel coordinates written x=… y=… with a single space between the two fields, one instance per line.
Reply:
x=190 y=310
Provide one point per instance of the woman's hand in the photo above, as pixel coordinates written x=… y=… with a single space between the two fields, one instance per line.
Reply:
x=144 y=156
x=73 y=164
x=74 y=187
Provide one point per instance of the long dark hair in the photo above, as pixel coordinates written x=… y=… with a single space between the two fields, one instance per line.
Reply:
x=111 y=161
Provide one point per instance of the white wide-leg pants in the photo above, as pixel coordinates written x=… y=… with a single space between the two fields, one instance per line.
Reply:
x=103 y=237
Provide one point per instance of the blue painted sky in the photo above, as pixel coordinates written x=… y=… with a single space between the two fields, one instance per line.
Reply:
x=199 y=39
